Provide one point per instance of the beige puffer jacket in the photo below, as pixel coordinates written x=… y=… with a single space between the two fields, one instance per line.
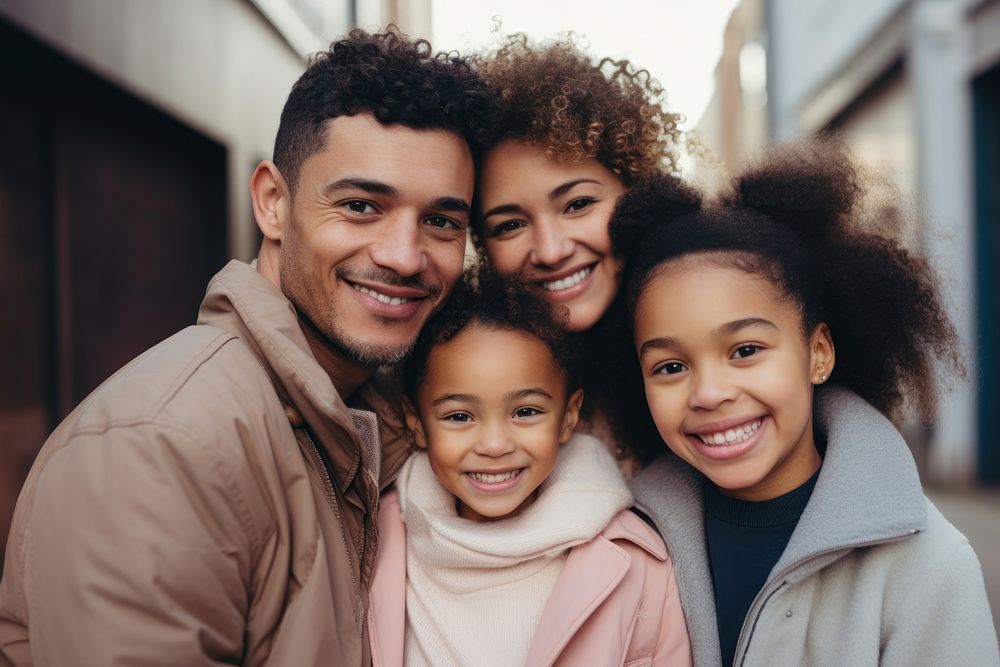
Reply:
x=211 y=503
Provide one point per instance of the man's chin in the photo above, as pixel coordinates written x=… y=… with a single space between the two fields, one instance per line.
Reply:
x=371 y=355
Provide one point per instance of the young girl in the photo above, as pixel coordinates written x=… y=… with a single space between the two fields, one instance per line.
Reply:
x=508 y=540
x=798 y=527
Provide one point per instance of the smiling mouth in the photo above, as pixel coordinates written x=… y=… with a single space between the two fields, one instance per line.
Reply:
x=495 y=478
x=731 y=436
x=383 y=298
x=567 y=282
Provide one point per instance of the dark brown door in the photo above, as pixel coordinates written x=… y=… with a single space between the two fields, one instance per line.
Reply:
x=112 y=220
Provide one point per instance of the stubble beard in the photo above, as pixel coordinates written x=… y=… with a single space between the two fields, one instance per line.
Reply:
x=369 y=355
x=327 y=327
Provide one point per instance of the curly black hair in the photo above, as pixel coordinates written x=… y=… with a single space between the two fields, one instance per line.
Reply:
x=796 y=219
x=394 y=79
x=554 y=96
x=486 y=299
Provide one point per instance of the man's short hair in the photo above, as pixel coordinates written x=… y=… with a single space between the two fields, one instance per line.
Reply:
x=397 y=80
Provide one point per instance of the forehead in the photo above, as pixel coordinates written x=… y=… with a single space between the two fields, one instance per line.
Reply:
x=512 y=168
x=487 y=362
x=701 y=291
x=360 y=146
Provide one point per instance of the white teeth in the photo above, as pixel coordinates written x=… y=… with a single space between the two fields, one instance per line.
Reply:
x=731 y=436
x=490 y=478
x=390 y=300
x=569 y=281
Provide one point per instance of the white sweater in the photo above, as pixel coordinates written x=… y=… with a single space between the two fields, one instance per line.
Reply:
x=475 y=592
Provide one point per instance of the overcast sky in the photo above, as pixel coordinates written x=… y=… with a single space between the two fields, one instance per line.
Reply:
x=679 y=42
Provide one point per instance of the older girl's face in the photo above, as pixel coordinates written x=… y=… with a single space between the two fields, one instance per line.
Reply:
x=729 y=375
x=547 y=222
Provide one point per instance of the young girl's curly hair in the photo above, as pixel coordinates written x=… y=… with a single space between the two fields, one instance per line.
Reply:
x=486 y=299
x=796 y=219
x=554 y=96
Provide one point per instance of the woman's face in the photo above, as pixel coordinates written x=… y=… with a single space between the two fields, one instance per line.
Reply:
x=547 y=222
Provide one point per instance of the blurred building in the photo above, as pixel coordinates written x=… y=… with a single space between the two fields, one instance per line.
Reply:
x=913 y=86
x=128 y=131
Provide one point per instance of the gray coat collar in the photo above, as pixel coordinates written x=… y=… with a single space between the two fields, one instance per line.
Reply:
x=868 y=491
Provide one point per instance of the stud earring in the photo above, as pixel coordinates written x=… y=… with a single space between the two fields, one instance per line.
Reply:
x=822 y=378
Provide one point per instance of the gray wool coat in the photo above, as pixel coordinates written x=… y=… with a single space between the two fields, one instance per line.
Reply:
x=872 y=575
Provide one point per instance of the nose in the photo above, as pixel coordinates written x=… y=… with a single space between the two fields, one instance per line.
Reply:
x=711 y=388
x=495 y=441
x=552 y=244
x=401 y=249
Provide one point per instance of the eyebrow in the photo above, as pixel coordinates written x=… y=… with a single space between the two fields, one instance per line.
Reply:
x=367 y=185
x=465 y=398
x=524 y=393
x=569 y=185
x=452 y=204
x=729 y=328
x=557 y=192
x=738 y=325
x=380 y=188
x=509 y=396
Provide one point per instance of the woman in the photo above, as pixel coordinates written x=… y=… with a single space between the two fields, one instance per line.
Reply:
x=573 y=137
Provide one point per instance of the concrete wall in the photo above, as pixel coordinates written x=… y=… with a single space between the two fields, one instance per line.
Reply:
x=810 y=41
x=894 y=77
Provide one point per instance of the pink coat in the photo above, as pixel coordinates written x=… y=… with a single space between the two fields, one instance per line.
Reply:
x=615 y=601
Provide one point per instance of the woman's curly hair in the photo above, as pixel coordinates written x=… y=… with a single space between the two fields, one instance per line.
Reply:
x=796 y=218
x=486 y=299
x=394 y=79
x=553 y=95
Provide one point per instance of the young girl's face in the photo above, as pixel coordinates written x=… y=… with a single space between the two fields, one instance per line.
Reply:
x=493 y=410
x=729 y=375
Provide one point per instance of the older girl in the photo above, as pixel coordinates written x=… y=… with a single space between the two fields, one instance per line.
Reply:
x=795 y=515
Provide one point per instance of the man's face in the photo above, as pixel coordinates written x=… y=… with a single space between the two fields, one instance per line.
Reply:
x=375 y=234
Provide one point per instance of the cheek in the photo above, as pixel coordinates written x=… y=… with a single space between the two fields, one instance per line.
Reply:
x=508 y=257
x=664 y=406
x=447 y=259
x=442 y=461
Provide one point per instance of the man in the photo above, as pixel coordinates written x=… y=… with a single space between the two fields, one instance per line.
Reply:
x=214 y=501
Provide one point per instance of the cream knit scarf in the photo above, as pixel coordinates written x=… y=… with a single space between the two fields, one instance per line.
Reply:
x=475 y=591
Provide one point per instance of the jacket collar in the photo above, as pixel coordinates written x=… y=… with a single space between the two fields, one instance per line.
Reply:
x=591 y=573
x=670 y=493
x=868 y=491
x=625 y=526
x=243 y=302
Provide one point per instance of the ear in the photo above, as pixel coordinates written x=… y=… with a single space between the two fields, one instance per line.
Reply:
x=822 y=355
x=571 y=417
x=271 y=200
x=414 y=424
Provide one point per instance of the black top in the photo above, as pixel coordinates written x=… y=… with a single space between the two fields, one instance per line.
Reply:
x=745 y=540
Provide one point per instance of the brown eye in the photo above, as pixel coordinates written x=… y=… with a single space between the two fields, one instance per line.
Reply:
x=579 y=204
x=442 y=222
x=744 y=351
x=670 y=368
x=359 y=206
x=506 y=227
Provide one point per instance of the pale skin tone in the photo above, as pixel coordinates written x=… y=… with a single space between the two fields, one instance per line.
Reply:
x=370 y=241
x=492 y=412
x=547 y=222
x=729 y=375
